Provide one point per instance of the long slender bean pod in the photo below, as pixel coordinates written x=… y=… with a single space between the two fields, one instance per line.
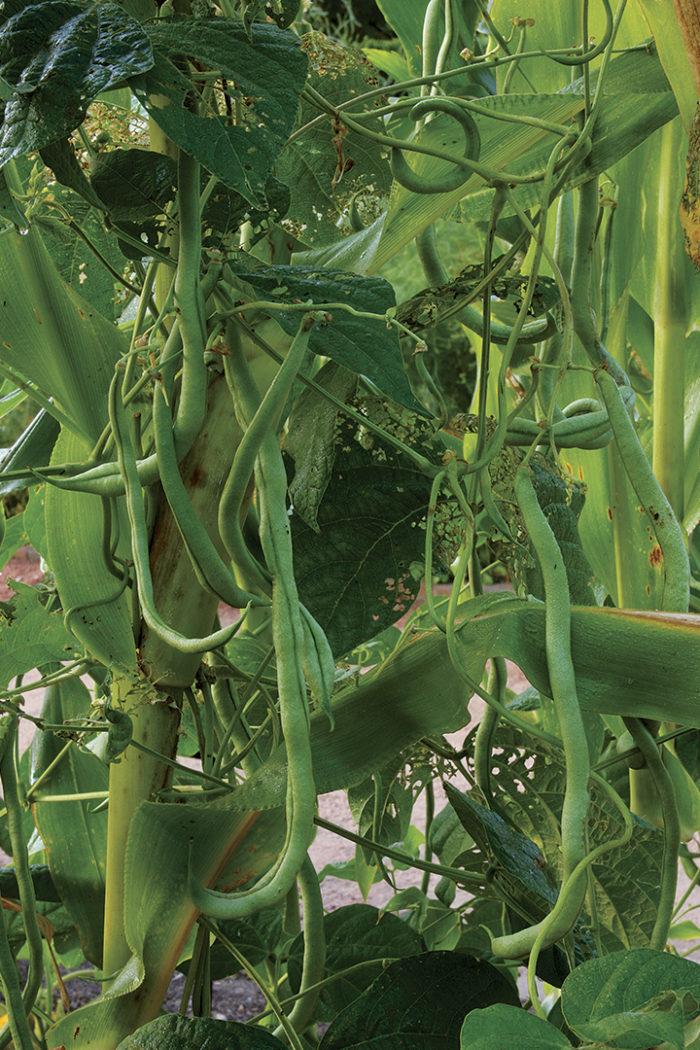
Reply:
x=672 y=830
x=216 y=576
x=288 y=639
x=558 y=914
x=571 y=726
x=257 y=417
x=190 y=308
x=669 y=534
x=13 y=806
x=314 y=964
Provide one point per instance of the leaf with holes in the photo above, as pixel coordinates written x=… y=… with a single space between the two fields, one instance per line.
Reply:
x=337 y=178
x=370 y=541
x=265 y=73
x=365 y=345
x=58 y=57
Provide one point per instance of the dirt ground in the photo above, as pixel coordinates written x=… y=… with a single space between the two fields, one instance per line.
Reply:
x=238 y=998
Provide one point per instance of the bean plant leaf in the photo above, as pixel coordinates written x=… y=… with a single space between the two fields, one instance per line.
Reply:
x=31 y=636
x=531 y=789
x=58 y=56
x=199 y=1033
x=134 y=184
x=357 y=933
x=419 y=1003
x=364 y=345
x=520 y=864
x=370 y=539
x=336 y=177
x=77 y=265
x=635 y=999
x=76 y=860
x=265 y=72
x=500 y=1025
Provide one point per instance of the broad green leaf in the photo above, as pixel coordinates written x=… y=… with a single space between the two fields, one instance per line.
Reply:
x=499 y=1026
x=58 y=57
x=415 y=693
x=520 y=862
x=30 y=635
x=134 y=184
x=554 y=27
x=269 y=72
x=686 y=930
x=199 y=1033
x=251 y=842
x=35 y=520
x=44 y=887
x=525 y=149
x=419 y=1003
x=409 y=213
x=531 y=784
x=637 y=100
x=331 y=173
x=663 y=23
x=32 y=448
x=388 y=62
x=636 y=998
x=370 y=540
x=356 y=933
x=363 y=345
x=100 y=609
x=51 y=336
x=14 y=538
x=75 y=837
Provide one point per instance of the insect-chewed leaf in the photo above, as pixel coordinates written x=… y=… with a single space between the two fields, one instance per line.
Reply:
x=269 y=72
x=58 y=57
x=31 y=636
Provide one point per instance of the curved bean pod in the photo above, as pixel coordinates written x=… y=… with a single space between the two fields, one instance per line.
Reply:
x=408 y=178
x=288 y=639
x=314 y=964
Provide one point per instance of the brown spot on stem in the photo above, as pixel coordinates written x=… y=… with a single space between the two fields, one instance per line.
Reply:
x=610 y=513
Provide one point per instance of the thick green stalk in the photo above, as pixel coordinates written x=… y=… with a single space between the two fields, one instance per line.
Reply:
x=190 y=609
x=671 y=315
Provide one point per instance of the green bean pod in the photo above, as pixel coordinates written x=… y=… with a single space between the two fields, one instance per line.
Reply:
x=571 y=726
x=408 y=178
x=288 y=640
x=669 y=534
x=19 y=1007
x=314 y=964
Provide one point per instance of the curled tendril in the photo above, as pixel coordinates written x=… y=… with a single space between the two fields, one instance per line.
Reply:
x=409 y=179
x=587 y=56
